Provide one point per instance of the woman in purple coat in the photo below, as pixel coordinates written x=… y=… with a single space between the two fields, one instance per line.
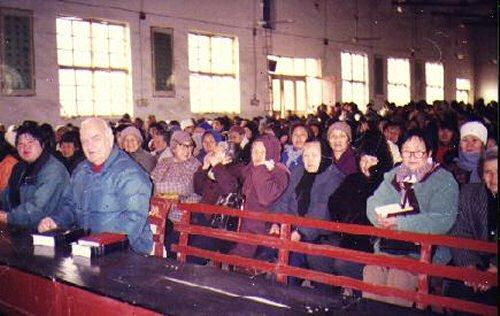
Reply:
x=265 y=180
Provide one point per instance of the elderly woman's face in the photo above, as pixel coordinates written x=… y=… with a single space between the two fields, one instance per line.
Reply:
x=130 y=143
x=182 y=151
x=338 y=141
x=258 y=153
x=471 y=144
x=490 y=175
x=414 y=153
x=312 y=157
x=209 y=143
x=29 y=148
x=299 y=137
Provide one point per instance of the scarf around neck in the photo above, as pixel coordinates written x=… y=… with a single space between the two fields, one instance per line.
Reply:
x=469 y=162
x=304 y=187
x=26 y=173
x=405 y=180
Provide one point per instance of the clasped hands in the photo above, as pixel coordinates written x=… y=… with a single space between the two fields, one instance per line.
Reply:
x=275 y=230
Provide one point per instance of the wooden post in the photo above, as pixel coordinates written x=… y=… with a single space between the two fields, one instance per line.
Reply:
x=183 y=236
x=423 y=279
x=283 y=253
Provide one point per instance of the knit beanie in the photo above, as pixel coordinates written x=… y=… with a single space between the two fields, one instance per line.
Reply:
x=341 y=126
x=131 y=130
x=475 y=129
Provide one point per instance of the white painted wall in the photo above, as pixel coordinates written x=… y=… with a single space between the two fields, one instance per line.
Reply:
x=312 y=22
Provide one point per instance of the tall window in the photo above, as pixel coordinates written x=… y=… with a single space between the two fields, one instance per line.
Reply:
x=434 y=82
x=213 y=74
x=463 y=90
x=355 y=79
x=94 y=68
x=398 y=80
x=16 y=52
x=296 y=84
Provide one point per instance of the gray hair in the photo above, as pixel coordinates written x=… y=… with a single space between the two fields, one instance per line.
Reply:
x=489 y=154
x=98 y=122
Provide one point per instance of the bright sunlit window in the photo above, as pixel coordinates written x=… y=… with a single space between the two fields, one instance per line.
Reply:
x=94 y=68
x=398 y=80
x=434 y=82
x=213 y=74
x=355 y=79
x=296 y=84
x=463 y=90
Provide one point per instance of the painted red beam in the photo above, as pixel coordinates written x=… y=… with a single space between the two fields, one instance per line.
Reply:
x=334 y=280
x=414 y=266
x=454 y=242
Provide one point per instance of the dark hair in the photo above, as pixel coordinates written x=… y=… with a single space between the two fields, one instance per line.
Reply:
x=49 y=136
x=419 y=134
x=71 y=137
x=32 y=129
x=5 y=148
x=165 y=135
x=374 y=144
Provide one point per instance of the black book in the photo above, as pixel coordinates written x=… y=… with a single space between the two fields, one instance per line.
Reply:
x=58 y=237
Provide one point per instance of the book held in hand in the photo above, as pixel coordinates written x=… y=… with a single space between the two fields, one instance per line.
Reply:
x=58 y=236
x=392 y=210
x=99 y=244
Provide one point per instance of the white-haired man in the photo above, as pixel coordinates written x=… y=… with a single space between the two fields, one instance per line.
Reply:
x=108 y=192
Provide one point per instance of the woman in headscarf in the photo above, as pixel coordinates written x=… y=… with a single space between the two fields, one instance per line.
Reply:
x=339 y=137
x=307 y=196
x=422 y=198
x=348 y=203
x=265 y=180
x=292 y=153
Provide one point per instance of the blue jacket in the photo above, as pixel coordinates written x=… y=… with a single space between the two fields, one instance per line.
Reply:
x=116 y=200
x=324 y=185
x=38 y=199
x=291 y=164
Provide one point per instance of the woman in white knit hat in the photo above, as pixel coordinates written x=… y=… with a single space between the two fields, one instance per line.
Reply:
x=473 y=138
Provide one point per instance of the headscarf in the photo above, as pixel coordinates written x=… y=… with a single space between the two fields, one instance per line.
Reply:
x=304 y=187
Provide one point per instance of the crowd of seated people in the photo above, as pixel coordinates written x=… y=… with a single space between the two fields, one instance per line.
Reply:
x=437 y=163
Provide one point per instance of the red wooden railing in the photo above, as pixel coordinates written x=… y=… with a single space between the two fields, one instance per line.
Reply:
x=423 y=267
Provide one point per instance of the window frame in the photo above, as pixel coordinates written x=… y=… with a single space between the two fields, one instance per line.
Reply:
x=21 y=92
x=126 y=71
x=430 y=86
x=399 y=84
x=170 y=31
x=459 y=90
x=234 y=74
x=366 y=76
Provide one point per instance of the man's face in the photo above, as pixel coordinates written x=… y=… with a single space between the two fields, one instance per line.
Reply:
x=96 y=143
x=67 y=149
x=29 y=148
x=217 y=126
x=159 y=143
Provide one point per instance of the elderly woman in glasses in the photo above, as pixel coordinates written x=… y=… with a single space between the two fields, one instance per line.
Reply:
x=174 y=175
x=417 y=196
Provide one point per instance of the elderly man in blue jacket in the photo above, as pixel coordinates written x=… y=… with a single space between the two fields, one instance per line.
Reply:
x=108 y=192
